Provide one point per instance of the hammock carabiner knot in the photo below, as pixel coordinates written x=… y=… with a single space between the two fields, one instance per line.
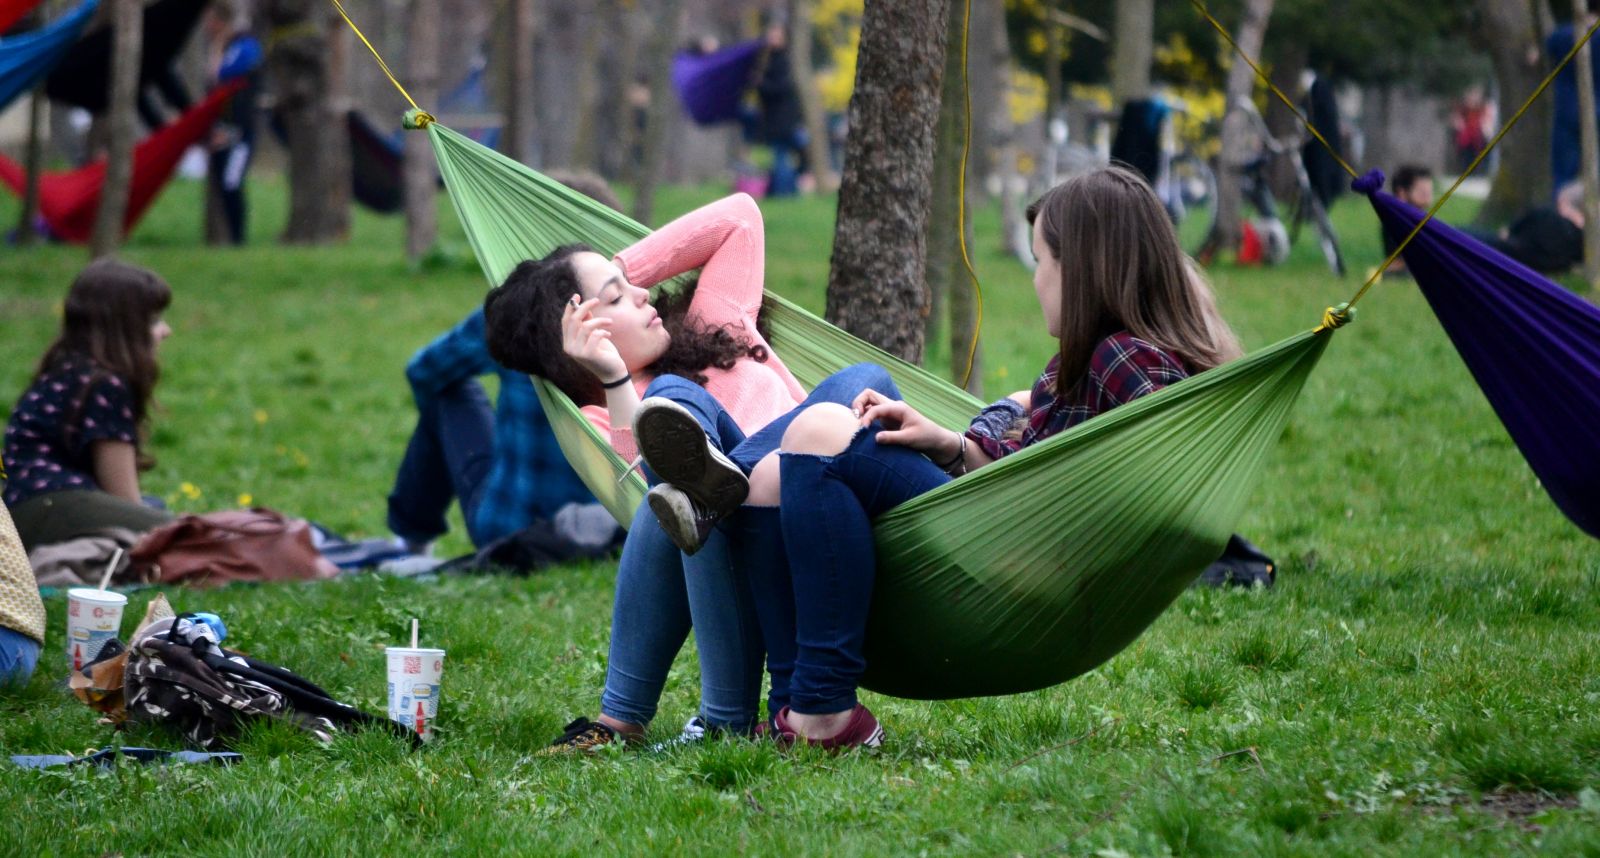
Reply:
x=416 y=119
x=1337 y=317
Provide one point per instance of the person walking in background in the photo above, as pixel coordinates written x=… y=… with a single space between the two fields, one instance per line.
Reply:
x=1566 y=151
x=1470 y=121
x=232 y=52
x=781 y=124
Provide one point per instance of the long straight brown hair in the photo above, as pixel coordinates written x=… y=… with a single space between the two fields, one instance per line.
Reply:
x=1122 y=269
x=109 y=313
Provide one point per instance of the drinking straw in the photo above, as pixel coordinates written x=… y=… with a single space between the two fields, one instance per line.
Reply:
x=413 y=632
x=110 y=567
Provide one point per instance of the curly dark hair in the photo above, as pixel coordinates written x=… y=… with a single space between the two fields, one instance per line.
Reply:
x=522 y=324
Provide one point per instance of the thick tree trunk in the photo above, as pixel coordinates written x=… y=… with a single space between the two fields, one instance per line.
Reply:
x=127 y=18
x=876 y=289
x=1132 y=50
x=805 y=80
x=1591 y=151
x=421 y=179
x=519 y=89
x=1507 y=31
x=653 y=139
x=1287 y=64
x=298 y=74
x=1236 y=126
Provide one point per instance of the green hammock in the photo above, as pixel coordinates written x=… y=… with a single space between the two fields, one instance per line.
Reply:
x=1024 y=574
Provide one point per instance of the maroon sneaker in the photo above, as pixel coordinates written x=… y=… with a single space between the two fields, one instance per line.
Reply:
x=861 y=731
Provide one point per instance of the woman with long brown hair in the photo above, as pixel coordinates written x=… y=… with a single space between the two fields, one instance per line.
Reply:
x=74 y=445
x=1131 y=315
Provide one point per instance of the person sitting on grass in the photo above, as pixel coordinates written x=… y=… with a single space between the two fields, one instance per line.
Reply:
x=1411 y=184
x=502 y=464
x=1548 y=239
x=21 y=610
x=1131 y=316
x=74 y=445
x=589 y=325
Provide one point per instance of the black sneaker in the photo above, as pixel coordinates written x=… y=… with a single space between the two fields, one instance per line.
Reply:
x=1242 y=564
x=581 y=736
x=686 y=523
x=676 y=448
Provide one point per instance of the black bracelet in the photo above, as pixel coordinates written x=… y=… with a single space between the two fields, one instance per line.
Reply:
x=611 y=385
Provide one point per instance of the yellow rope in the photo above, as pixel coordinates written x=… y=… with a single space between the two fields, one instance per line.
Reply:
x=961 y=199
x=420 y=118
x=1334 y=317
x=1200 y=7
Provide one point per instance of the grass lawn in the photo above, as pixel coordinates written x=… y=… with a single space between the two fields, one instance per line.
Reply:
x=1426 y=675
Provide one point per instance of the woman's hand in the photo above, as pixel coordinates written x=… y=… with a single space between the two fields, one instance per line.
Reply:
x=586 y=338
x=905 y=426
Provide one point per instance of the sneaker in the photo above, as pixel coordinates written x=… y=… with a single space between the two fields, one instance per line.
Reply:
x=676 y=448
x=694 y=732
x=582 y=735
x=410 y=565
x=861 y=731
x=687 y=523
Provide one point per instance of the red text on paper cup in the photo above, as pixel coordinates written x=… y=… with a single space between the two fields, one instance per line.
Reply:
x=413 y=664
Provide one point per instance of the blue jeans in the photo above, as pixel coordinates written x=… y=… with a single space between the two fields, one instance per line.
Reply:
x=18 y=655
x=734 y=592
x=447 y=458
x=829 y=503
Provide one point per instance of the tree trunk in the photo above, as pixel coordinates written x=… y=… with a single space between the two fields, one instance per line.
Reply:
x=1287 y=64
x=805 y=81
x=875 y=281
x=1236 y=128
x=1132 y=50
x=421 y=180
x=33 y=163
x=586 y=93
x=128 y=27
x=336 y=166
x=297 y=72
x=1506 y=30
x=653 y=139
x=519 y=89
x=1591 y=150
x=948 y=282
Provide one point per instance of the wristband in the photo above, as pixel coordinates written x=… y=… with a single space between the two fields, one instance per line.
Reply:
x=612 y=385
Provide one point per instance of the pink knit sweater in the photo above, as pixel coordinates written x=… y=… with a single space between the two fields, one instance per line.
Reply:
x=725 y=241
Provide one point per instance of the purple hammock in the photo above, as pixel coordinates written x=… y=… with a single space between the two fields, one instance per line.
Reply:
x=712 y=85
x=1533 y=347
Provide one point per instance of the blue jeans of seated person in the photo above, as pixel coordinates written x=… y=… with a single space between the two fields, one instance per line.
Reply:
x=660 y=594
x=448 y=457
x=728 y=591
x=18 y=656
x=829 y=503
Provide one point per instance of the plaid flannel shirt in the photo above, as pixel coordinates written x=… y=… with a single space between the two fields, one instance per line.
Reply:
x=530 y=478
x=1122 y=369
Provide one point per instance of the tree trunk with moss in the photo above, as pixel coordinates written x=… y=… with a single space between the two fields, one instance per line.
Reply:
x=1508 y=32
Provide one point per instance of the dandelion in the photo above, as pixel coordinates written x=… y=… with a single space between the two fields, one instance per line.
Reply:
x=246 y=500
x=261 y=416
x=189 y=490
x=1002 y=372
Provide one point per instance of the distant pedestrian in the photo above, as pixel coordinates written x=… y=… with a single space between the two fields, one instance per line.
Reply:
x=233 y=53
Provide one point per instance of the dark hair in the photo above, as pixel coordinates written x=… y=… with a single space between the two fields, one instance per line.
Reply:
x=522 y=324
x=1122 y=269
x=107 y=321
x=1407 y=176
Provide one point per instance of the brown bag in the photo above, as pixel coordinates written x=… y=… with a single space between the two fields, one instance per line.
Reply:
x=237 y=545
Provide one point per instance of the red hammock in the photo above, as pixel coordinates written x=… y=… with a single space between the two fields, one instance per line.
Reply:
x=68 y=201
x=12 y=11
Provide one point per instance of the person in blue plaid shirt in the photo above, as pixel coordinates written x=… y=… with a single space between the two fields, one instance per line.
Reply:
x=502 y=464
